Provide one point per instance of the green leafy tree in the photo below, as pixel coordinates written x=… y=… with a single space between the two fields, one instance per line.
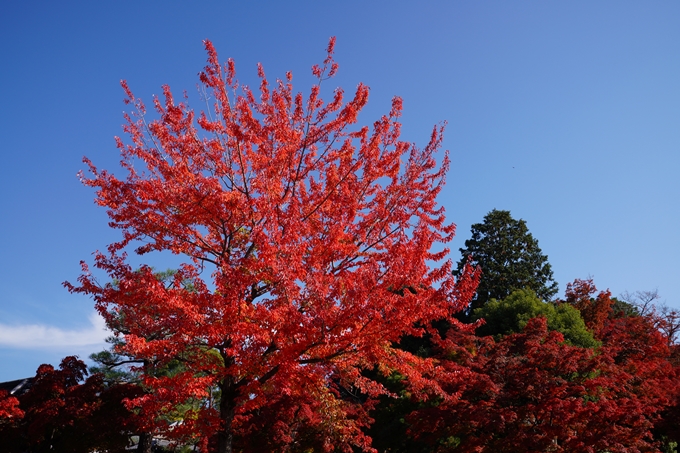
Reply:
x=512 y=314
x=509 y=257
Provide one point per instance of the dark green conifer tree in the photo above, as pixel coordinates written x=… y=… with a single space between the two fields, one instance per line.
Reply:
x=509 y=257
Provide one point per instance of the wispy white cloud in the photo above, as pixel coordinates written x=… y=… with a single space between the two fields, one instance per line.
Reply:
x=40 y=336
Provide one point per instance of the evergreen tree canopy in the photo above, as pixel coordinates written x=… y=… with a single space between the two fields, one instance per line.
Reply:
x=509 y=257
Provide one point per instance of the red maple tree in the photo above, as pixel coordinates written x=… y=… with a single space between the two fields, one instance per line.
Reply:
x=638 y=383
x=528 y=392
x=63 y=412
x=532 y=392
x=311 y=253
x=594 y=310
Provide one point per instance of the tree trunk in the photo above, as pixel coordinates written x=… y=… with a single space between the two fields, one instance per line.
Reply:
x=145 y=443
x=225 y=436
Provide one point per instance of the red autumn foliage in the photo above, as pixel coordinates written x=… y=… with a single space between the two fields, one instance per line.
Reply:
x=61 y=412
x=642 y=370
x=527 y=393
x=594 y=311
x=9 y=408
x=310 y=254
x=531 y=392
x=300 y=422
x=642 y=383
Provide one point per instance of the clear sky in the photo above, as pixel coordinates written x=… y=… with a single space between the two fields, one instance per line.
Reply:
x=565 y=113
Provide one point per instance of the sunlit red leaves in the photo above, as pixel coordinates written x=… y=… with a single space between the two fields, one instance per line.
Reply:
x=9 y=408
x=306 y=225
x=594 y=310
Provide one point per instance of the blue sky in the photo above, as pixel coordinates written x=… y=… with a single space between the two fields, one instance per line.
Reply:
x=567 y=114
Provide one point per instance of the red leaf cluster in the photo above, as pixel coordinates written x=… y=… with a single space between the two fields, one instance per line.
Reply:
x=61 y=412
x=594 y=311
x=309 y=242
x=9 y=408
x=532 y=392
